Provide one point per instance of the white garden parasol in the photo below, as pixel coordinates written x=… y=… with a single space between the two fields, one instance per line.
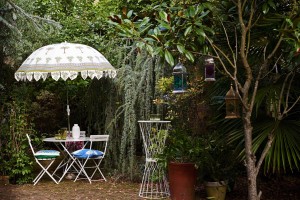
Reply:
x=65 y=60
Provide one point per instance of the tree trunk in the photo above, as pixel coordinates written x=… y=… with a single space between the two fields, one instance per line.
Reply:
x=250 y=159
x=252 y=187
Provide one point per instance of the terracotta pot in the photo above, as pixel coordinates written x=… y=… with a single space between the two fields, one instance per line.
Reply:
x=216 y=190
x=182 y=179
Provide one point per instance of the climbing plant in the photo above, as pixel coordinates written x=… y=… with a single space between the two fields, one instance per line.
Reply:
x=15 y=156
x=20 y=163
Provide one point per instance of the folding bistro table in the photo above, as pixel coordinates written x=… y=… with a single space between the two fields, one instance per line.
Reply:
x=67 y=160
x=154 y=183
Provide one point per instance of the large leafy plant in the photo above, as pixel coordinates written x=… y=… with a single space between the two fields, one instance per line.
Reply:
x=217 y=161
x=182 y=147
x=170 y=28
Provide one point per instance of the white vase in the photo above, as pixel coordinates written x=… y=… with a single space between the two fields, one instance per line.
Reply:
x=76 y=131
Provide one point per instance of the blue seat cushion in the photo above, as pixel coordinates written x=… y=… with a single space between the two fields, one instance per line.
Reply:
x=87 y=153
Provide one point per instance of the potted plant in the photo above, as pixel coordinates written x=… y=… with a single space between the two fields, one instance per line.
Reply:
x=218 y=166
x=180 y=155
x=188 y=112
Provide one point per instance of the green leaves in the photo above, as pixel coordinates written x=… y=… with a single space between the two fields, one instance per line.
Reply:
x=189 y=56
x=169 y=31
x=204 y=14
x=169 y=58
x=200 y=32
x=129 y=14
x=265 y=8
x=272 y=4
x=163 y=16
x=180 y=48
x=158 y=51
x=284 y=152
x=149 y=49
x=188 y=30
x=164 y=25
x=144 y=22
x=289 y=21
x=191 y=11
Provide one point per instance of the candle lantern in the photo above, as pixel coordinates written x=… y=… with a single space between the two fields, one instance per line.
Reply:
x=232 y=104
x=180 y=78
x=209 y=66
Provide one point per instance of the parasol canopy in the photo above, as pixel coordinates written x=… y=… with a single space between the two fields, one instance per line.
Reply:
x=65 y=60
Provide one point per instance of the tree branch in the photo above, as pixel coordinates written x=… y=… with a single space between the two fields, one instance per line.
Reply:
x=263 y=66
x=265 y=151
x=288 y=94
x=280 y=115
x=275 y=48
x=228 y=43
x=216 y=50
x=32 y=17
x=218 y=56
x=249 y=77
x=287 y=109
x=251 y=15
x=275 y=65
x=233 y=77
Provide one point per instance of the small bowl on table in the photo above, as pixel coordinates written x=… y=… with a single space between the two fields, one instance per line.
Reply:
x=57 y=136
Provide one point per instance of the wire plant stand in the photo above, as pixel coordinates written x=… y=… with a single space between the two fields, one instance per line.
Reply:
x=154 y=183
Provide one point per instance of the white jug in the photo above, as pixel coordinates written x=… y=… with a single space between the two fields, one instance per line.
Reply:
x=76 y=131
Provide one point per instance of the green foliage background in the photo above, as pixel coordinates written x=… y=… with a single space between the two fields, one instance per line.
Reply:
x=152 y=36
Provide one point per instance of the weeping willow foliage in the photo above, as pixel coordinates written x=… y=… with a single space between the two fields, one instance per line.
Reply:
x=115 y=106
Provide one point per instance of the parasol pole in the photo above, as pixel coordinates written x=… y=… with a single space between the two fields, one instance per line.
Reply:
x=68 y=110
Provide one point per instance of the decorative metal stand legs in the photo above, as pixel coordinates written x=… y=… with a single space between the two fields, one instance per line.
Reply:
x=154 y=184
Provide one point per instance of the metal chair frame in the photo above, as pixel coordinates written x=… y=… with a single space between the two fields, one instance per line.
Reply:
x=96 y=161
x=44 y=168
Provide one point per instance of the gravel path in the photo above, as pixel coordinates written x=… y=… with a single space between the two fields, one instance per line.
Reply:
x=285 y=188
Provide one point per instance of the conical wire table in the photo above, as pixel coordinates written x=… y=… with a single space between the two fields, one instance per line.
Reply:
x=154 y=183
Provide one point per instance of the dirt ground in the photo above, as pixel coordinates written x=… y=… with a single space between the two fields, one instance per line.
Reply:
x=286 y=188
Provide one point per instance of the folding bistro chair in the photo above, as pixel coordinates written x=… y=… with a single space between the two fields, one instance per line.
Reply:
x=90 y=158
x=50 y=155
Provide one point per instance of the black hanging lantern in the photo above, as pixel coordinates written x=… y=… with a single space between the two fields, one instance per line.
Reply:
x=232 y=104
x=209 y=66
x=180 y=78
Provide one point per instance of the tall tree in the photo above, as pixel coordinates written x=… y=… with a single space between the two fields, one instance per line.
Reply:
x=250 y=40
x=20 y=31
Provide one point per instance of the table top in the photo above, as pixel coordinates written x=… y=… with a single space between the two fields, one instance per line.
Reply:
x=70 y=139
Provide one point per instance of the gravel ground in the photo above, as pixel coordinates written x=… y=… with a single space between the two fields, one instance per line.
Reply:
x=66 y=190
x=285 y=188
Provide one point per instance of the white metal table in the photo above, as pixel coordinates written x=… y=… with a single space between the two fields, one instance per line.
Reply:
x=67 y=161
x=154 y=183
